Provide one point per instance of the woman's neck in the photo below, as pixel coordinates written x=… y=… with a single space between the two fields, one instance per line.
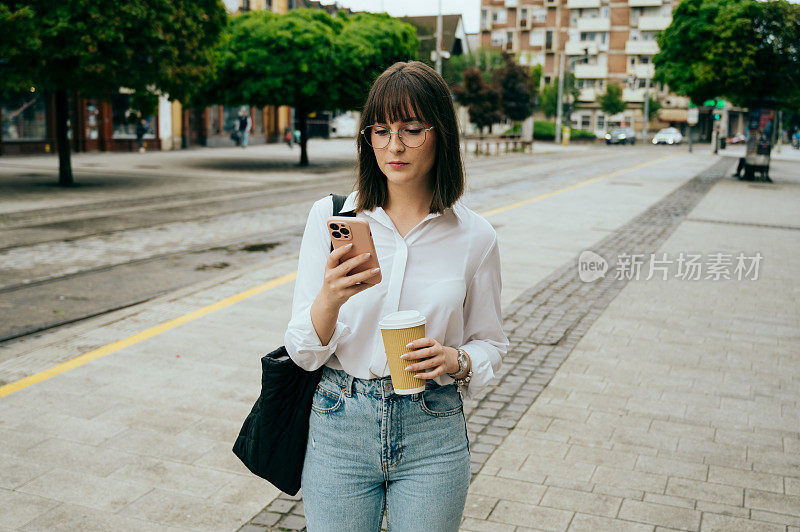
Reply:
x=408 y=202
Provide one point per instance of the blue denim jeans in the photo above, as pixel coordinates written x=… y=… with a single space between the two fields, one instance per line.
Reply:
x=370 y=449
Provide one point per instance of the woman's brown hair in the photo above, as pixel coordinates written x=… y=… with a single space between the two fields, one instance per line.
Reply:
x=406 y=90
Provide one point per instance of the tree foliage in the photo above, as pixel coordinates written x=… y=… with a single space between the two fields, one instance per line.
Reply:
x=653 y=107
x=486 y=60
x=516 y=89
x=306 y=59
x=97 y=47
x=549 y=96
x=481 y=99
x=611 y=101
x=747 y=51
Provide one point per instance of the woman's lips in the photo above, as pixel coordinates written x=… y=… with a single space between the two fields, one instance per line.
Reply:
x=397 y=165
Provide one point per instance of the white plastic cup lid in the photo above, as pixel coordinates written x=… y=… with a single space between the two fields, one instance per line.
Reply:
x=402 y=319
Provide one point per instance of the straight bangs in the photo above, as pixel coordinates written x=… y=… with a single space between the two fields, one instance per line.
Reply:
x=398 y=99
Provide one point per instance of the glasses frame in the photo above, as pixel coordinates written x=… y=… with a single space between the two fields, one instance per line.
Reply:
x=389 y=141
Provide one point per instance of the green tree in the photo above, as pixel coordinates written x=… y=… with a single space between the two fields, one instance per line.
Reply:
x=653 y=107
x=97 y=47
x=481 y=99
x=516 y=88
x=549 y=96
x=611 y=101
x=306 y=59
x=746 y=51
x=16 y=53
x=484 y=59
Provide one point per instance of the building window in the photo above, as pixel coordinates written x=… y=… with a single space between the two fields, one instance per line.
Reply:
x=601 y=122
x=603 y=37
x=604 y=12
x=539 y=15
x=498 y=38
x=547 y=80
x=523 y=13
x=548 y=40
x=24 y=118
x=634 y=35
x=537 y=38
x=125 y=118
x=484 y=18
x=587 y=36
x=499 y=16
x=586 y=122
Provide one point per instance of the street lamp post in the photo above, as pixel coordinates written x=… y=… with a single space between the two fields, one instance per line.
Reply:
x=559 y=105
x=646 y=108
x=439 y=39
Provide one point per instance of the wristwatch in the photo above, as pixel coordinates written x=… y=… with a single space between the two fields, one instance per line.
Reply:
x=463 y=359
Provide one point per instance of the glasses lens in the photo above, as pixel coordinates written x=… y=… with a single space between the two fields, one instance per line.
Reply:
x=377 y=136
x=413 y=135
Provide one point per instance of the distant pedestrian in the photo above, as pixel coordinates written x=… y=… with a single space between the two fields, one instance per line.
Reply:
x=288 y=137
x=243 y=126
x=141 y=129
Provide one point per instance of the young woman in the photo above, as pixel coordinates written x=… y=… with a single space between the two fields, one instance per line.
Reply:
x=369 y=449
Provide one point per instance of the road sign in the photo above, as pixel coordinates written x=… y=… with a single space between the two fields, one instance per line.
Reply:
x=693 y=115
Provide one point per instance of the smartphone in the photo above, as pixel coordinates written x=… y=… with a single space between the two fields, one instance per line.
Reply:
x=350 y=230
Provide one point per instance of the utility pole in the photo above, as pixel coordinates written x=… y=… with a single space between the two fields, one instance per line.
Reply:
x=560 y=97
x=646 y=108
x=439 y=39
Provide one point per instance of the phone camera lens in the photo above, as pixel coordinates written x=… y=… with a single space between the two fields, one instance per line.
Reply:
x=334 y=227
x=345 y=231
x=337 y=234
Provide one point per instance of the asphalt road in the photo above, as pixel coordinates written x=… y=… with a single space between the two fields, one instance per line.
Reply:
x=141 y=230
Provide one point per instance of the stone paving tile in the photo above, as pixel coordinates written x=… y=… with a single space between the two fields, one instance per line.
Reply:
x=547 y=321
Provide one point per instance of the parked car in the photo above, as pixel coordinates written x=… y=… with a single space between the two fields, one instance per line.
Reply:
x=668 y=135
x=621 y=135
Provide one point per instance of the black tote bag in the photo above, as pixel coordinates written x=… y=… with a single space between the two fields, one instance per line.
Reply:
x=272 y=441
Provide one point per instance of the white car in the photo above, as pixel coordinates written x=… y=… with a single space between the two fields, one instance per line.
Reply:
x=668 y=135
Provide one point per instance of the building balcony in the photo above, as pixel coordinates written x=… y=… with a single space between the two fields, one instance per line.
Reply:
x=641 y=47
x=644 y=3
x=594 y=24
x=587 y=95
x=656 y=23
x=578 y=4
x=633 y=95
x=511 y=3
x=577 y=47
x=642 y=71
x=591 y=71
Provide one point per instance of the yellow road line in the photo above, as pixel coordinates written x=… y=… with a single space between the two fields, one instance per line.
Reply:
x=85 y=358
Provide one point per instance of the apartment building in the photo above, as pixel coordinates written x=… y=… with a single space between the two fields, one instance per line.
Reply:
x=604 y=41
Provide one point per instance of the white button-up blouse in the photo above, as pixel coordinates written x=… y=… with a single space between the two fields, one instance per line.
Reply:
x=447 y=268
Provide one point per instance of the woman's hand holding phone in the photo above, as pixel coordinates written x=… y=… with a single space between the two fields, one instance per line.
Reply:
x=338 y=286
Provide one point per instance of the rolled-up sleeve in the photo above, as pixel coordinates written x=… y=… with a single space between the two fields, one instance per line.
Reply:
x=485 y=341
x=301 y=339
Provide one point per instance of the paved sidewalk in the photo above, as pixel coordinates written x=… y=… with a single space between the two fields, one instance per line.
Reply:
x=680 y=407
x=140 y=439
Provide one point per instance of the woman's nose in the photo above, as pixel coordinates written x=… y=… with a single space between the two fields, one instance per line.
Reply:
x=395 y=144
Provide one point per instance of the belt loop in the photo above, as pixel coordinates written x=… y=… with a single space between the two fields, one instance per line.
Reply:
x=350 y=387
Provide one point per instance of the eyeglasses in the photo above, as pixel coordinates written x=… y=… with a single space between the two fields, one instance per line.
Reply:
x=411 y=135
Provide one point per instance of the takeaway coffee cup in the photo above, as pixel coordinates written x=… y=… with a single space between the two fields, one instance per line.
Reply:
x=398 y=329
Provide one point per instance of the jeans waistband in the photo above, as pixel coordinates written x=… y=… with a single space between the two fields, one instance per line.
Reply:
x=378 y=387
